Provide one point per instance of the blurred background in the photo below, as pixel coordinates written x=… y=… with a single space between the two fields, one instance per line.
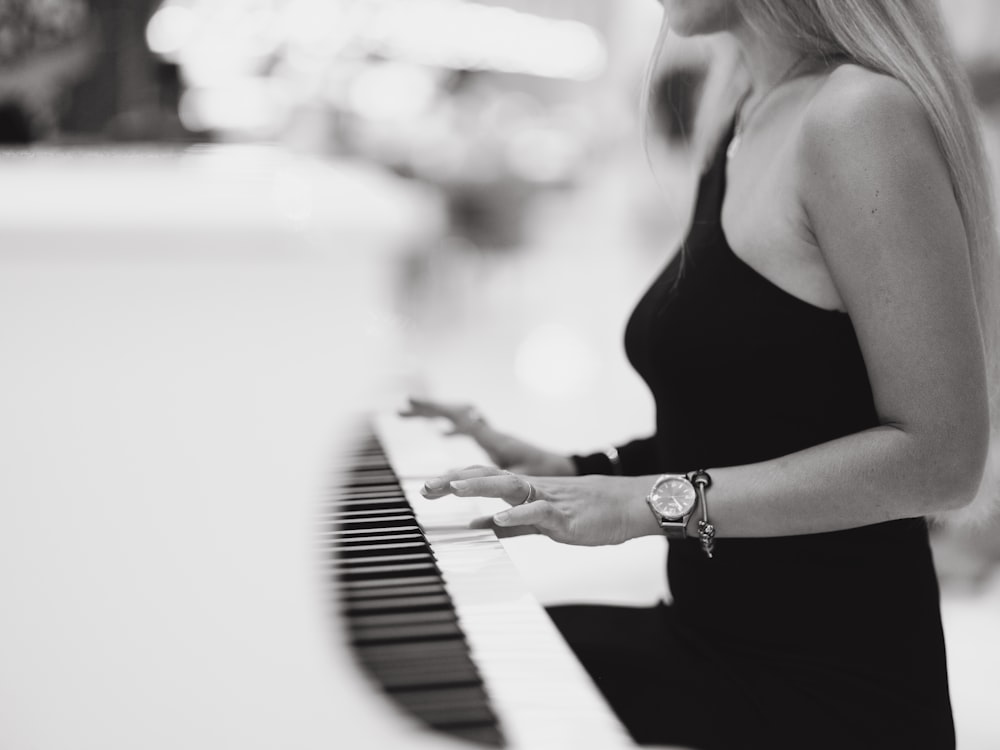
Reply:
x=230 y=227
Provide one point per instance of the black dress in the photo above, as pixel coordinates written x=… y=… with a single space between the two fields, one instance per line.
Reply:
x=826 y=640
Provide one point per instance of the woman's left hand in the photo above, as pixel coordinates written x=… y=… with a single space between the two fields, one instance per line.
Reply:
x=590 y=510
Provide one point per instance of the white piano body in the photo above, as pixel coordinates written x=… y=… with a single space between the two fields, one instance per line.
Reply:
x=183 y=338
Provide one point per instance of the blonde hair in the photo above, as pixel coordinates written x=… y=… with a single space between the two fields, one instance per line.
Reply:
x=907 y=40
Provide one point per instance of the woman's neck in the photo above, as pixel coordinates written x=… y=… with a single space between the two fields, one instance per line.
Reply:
x=767 y=62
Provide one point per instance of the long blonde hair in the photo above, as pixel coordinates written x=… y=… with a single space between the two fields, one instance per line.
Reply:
x=907 y=40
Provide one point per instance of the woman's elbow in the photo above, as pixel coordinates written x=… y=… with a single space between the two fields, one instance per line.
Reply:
x=955 y=464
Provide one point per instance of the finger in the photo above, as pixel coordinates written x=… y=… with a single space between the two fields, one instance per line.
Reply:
x=541 y=515
x=441 y=485
x=420 y=408
x=503 y=532
x=428 y=408
x=511 y=488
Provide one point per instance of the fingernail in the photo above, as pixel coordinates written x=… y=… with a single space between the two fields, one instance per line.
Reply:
x=502 y=518
x=433 y=484
x=460 y=486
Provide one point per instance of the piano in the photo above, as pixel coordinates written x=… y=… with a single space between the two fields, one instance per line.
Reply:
x=437 y=613
x=180 y=367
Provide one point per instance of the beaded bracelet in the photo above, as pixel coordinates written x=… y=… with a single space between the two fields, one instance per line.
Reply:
x=706 y=531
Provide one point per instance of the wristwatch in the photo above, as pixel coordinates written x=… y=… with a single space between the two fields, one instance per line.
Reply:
x=673 y=499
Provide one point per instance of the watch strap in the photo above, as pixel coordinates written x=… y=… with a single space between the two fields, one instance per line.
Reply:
x=675 y=529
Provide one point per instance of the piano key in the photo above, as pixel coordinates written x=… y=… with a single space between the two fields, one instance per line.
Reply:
x=404 y=633
x=338 y=533
x=383 y=522
x=351 y=595
x=427 y=651
x=381 y=485
x=402 y=619
x=385 y=547
x=378 y=501
x=443 y=668
x=412 y=603
x=363 y=513
x=392 y=582
x=347 y=566
x=464 y=703
x=378 y=571
x=394 y=677
x=361 y=479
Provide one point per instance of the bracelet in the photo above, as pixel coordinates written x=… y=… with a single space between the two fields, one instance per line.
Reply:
x=616 y=463
x=706 y=531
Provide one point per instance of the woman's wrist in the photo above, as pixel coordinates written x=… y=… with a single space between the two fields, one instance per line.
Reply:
x=642 y=521
x=470 y=421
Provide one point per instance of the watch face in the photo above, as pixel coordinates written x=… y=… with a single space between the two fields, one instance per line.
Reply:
x=673 y=497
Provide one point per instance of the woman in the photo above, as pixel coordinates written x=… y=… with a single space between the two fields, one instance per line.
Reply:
x=822 y=346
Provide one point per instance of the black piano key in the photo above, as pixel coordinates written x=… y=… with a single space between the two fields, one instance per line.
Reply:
x=393 y=582
x=338 y=534
x=451 y=655
x=433 y=631
x=403 y=557
x=407 y=651
x=348 y=596
x=374 y=572
x=350 y=514
x=400 y=604
x=401 y=520
x=374 y=503
x=403 y=515
x=359 y=546
x=368 y=490
x=393 y=619
x=395 y=679
x=370 y=479
x=347 y=542
x=387 y=549
x=414 y=658
x=373 y=492
x=367 y=464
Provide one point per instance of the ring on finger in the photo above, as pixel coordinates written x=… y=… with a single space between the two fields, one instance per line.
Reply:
x=531 y=496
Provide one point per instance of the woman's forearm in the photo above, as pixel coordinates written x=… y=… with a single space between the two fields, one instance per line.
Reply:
x=877 y=475
x=881 y=474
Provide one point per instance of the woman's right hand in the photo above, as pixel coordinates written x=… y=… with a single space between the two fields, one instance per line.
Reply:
x=505 y=451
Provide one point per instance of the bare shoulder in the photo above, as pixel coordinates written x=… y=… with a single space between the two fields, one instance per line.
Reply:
x=859 y=116
x=865 y=134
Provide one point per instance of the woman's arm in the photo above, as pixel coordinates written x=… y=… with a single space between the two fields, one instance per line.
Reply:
x=880 y=205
